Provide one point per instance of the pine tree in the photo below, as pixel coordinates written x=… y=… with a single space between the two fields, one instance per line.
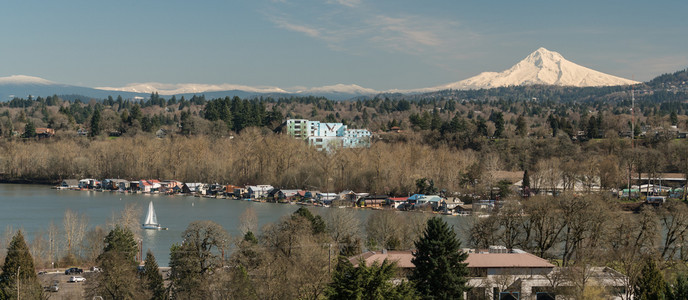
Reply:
x=678 y=290
x=19 y=261
x=440 y=271
x=95 y=123
x=651 y=284
x=521 y=128
x=526 y=179
x=119 y=267
x=29 y=130
x=152 y=278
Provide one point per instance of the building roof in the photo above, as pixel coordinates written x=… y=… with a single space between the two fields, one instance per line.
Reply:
x=474 y=260
x=506 y=260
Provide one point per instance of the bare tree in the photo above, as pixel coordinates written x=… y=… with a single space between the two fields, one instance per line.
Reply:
x=74 y=229
x=383 y=230
x=248 y=221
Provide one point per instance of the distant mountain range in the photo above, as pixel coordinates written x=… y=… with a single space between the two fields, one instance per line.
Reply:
x=542 y=67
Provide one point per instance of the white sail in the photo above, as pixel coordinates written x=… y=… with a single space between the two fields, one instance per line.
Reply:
x=151 y=218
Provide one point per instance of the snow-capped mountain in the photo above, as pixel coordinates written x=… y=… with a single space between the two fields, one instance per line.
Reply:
x=340 y=88
x=540 y=67
x=189 y=88
x=23 y=79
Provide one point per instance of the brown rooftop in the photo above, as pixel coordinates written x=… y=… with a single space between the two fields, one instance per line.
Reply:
x=474 y=260
x=506 y=260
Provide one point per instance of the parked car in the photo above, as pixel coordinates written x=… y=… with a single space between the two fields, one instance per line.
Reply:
x=76 y=279
x=96 y=269
x=54 y=288
x=72 y=271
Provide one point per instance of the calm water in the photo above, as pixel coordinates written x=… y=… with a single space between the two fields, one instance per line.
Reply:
x=33 y=207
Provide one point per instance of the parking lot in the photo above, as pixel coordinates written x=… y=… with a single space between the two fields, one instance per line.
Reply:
x=67 y=290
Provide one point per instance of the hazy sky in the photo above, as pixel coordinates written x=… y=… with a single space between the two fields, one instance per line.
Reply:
x=376 y=44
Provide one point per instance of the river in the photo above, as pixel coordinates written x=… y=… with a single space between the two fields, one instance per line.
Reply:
x=32 y=208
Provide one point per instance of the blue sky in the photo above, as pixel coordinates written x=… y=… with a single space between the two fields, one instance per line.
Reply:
x=288 y=43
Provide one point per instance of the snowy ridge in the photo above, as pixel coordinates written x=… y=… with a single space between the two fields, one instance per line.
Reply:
x=23 y=79
x=540 y=67
x=340 y=88
x=189 y=88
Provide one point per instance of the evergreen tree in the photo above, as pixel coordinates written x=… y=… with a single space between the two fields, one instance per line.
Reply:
x=152 y=278
x=499 y=124
x=440 y=271
x=526 y=179
x=29 y=130
x=678 y=290
x=317 y=223
x=521 y=128
x=118 y=267
x=18 y=268
x=95 y=123
x=651 y=284
x=673 y=118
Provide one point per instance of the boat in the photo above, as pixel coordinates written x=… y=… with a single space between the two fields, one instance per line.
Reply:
x=152 y=219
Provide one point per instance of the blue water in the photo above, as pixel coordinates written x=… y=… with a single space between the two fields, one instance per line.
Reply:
x=33 y=207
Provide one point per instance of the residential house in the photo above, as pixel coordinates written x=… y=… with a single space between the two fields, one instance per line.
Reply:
x=395 y=202
x=258 y=191
x=326 y=198
x=501 y=273
x=373 y=201
x=89 y=183
x=433 y=201
x=351 y=196
x=45 y=132
x=69 y=184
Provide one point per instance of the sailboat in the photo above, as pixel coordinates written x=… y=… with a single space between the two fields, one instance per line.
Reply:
x=152 y=219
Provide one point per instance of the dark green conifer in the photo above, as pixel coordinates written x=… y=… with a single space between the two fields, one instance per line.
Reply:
x=440 y=271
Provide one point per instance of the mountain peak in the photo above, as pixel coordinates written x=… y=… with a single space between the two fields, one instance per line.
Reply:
x=542 y=67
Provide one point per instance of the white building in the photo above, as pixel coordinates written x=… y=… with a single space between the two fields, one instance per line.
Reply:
x=328 y=135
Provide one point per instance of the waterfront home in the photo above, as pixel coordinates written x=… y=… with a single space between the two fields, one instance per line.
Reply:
x=230 y=190
x=326 y=198
x=395 y=202
x=69 y=184
x=373 y=201
x=413 y=198
x=428 y=200
x=169 y=186
x=351 y=196
x=303 y=194
x=280 y=194
x=89 y=183
x=259 y=191
x=191 y=187
x=115 y=184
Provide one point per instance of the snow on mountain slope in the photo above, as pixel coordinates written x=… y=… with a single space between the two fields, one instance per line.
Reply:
x=189 y=88
x=340 y=88
x=540 y=67
x=23 y=79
